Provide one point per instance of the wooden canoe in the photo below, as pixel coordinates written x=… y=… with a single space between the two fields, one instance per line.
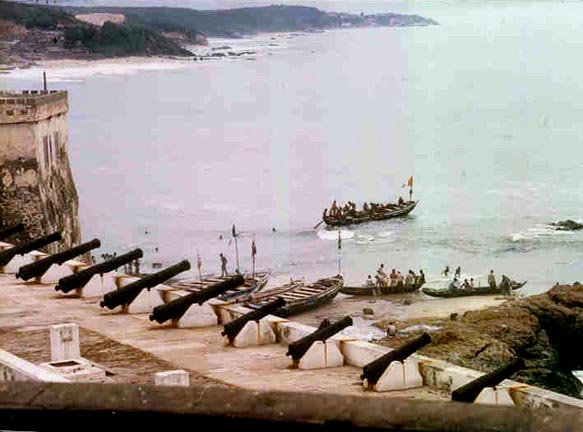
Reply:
x=385 y=290
x=302 y=297
x=358 y=217
x=476 y=291
x=253 y=284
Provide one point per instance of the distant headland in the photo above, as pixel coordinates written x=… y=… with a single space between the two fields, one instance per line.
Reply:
x=30 y=33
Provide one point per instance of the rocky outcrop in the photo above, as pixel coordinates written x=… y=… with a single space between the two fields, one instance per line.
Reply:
x=567 y=225
x=545 y=330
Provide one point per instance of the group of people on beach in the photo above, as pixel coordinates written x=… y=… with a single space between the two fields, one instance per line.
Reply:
x=349 y=209
x=393 y=279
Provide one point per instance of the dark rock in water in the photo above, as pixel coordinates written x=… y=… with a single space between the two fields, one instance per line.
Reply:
x=567 y=225
x=545 y=330
x=368 y=311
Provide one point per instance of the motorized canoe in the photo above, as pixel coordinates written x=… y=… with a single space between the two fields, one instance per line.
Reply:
x=302 y=297
x=360 y=216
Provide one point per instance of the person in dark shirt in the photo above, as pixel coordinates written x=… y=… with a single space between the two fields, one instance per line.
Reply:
x=224 y=271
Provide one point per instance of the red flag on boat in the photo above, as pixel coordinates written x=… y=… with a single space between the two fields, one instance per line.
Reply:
x=410 y=182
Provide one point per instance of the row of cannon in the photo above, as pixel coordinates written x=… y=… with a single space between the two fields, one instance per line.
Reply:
x=175 y=309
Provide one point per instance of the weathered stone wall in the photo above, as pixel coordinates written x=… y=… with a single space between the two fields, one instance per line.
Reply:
x=36 y=184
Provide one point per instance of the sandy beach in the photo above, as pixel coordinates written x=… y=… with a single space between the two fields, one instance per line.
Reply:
x=401 y=308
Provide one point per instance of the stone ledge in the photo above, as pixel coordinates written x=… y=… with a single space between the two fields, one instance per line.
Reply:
x=14 y=368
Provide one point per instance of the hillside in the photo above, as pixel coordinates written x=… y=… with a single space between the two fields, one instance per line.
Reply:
x=29 y=33
x=251 y=20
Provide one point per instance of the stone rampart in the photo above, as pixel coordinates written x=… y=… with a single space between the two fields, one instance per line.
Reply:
x=36 y=183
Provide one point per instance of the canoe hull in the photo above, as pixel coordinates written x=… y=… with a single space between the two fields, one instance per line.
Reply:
x=367 y=291
x=363 y=217
x=253 y=284
x=477 y=291
x=304 y=297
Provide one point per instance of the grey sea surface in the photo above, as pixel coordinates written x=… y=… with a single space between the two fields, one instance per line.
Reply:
x=484 y=110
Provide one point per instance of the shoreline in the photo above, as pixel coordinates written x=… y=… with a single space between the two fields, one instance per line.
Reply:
x=217 y=49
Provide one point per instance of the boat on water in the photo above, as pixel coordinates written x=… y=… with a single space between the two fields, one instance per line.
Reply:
x=388 y=211
x=299 y=297
x=501 y=288
x=365 y=290
x=253 y=283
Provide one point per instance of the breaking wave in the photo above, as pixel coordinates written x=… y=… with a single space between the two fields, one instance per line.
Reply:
x=333 y=235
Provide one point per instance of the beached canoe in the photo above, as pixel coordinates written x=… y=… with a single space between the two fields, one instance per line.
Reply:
x=358 y=217
x=300 y=298
x=253 y=284
x=367 y=290
x=475 y=291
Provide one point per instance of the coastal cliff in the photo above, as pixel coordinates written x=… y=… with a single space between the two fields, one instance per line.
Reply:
x=252 y=20
x=29 y=33
x=545 y=330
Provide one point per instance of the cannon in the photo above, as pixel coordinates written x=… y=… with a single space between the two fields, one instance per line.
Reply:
x=40 y=267
x=11 y=230
x=80 y=279
x=7 y=254
x=298 y=348
x=470 y=391
x=176 y=308
x=232 y=329
x=128 y=293
x=375 y=369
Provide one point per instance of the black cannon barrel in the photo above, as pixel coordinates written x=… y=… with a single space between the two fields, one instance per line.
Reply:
x=128 y=293
x=470 y=391
x=298 y=348
x=324 y=323
x=7 y=254
x=176 y=308
x=80 y=279
x=374 y=370
x=232 y=328
x=40 y=267
x=11 y=230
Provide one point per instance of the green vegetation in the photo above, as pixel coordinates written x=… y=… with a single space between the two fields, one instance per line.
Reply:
x=249 y=21
x=32 y=16
x=121 y=40
x=140 y=33
x=108 y=40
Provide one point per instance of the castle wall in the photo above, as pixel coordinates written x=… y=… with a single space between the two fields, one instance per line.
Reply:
x=36 y=184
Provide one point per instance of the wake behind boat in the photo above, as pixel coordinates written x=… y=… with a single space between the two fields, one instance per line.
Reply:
x=347 y=214
x=382 y=212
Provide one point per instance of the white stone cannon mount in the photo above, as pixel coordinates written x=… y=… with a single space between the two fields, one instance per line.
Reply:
x=192 y=309
x=318 y=350
x=253 y=327
x=396 y=370
x=487 y=389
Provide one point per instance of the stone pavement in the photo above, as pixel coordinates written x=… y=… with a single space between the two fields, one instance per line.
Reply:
x=29 y=306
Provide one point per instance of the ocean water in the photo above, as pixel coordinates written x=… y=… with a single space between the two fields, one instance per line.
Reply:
x=483 y=110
